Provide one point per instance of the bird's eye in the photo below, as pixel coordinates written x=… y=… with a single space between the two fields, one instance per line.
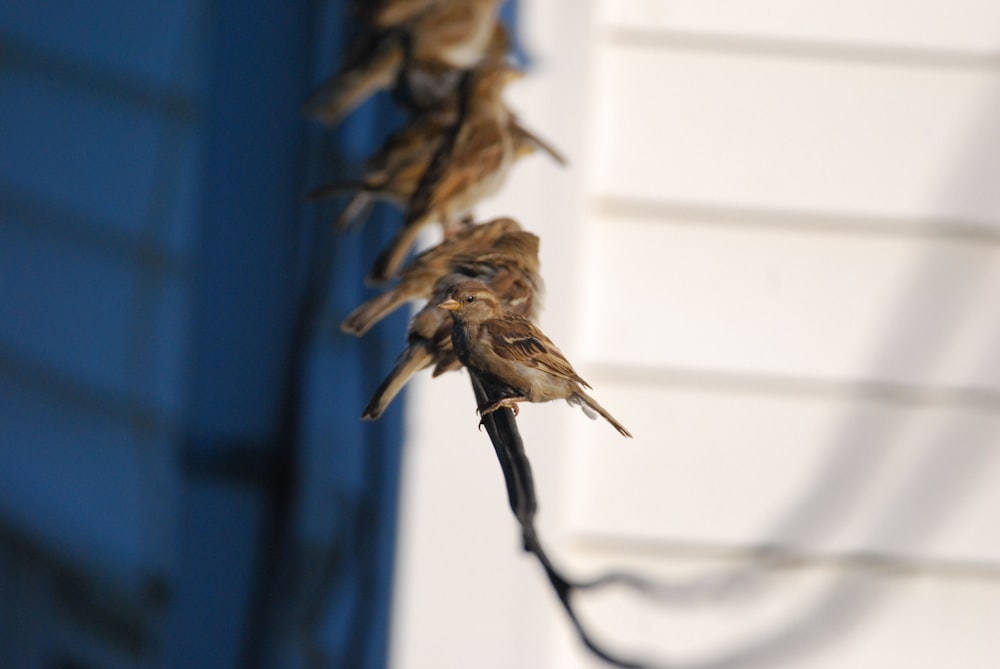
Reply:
x=470 y=299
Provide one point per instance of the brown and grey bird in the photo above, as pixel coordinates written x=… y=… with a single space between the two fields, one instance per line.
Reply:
x=474 y=146
x=470 y=163
x=428 y=37
x=394 y=172
x=511 y=267
x=512 y=359
x=416 y=281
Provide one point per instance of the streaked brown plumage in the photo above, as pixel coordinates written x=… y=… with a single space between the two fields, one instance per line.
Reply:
x=396 y=172
x=470 y=163
x=512 y=359
x=511 y=267
x=433 y=36
x=417 y=279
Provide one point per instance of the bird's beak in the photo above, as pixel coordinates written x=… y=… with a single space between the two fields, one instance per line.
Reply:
x=451 y=304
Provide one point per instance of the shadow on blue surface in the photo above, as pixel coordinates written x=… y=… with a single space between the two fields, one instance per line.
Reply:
x=183 y=477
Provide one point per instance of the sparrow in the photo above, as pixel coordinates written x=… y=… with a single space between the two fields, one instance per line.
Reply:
x=417 y=279
x=510 y=357
x=396 y=170
x=428 y=37
x=470 y=163
x=393 y=173
x=511 y=269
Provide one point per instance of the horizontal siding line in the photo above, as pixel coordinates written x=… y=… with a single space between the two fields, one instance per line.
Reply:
x=801 y=49
x=19 y=370
x=97 y=80
x=801 y=221
x=762 y=557
x=37 y=215
x=873 y=390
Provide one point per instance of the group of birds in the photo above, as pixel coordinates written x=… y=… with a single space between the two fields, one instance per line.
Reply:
x=445 y=62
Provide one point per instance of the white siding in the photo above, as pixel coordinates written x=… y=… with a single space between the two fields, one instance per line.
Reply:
x=969 y=27
x=776 y=258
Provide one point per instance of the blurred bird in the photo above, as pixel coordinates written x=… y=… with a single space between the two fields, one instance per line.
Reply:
x=511 y=358
x=417 y=279
x=470 y=163
x=427 y=37
x=395 y=171
x=511 y=268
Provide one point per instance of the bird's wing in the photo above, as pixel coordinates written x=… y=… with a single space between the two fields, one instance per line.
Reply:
x=373 y=68
x=517 y=339
x=480 y=152
x=462 y=246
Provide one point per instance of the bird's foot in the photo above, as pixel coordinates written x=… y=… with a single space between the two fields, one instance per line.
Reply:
x=505 y=403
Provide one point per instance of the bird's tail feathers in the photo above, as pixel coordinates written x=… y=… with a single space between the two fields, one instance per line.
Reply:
x=359 y=204
x=389 y=261
x=362 y=319
x=593 y=409
x=529 y=141
x=358 y=207
x=413 y=359
x=333 y=189
x=343 y=93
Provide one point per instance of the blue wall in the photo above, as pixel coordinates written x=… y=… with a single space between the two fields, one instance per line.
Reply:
x=184 y=481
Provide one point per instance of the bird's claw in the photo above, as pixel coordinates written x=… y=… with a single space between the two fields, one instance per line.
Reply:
x=506 y=403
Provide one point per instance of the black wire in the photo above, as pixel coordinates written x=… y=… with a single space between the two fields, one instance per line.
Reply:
x=502 y=429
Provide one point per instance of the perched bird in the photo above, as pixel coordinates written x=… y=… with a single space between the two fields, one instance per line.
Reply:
x=429 y=37
x=393 y=172
x=397 y=170
x=511 y=268
x=417 y=279
x=470 y=163
x=511 y=357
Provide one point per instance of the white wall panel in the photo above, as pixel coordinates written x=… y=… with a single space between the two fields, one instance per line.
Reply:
x=808 y=616
x=794 y=302
x=775 y=254
x=822 y=472
x=819 y=136
x=971 y=26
